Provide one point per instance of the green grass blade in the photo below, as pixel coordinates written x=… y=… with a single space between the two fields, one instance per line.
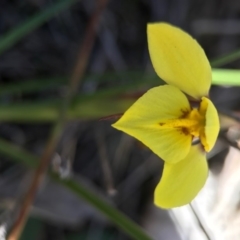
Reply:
x=12 y=37
x=102 y=103
x=129 y=81
x=127 y=225
x=32 y=85
x=99 y=104
x=227 y=77
x=18 y=154
x=85 y=110
x=129 y=78
x=218 y=62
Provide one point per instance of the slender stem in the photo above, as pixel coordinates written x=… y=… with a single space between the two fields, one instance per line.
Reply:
x=37 y=179
x=127 y=225
x=86 y=47
x=225 y=59
x=58 y=127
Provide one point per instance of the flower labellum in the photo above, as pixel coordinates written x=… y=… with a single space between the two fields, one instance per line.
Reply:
x=164 y=120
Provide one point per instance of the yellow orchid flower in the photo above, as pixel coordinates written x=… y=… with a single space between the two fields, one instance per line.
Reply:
x=164 y=119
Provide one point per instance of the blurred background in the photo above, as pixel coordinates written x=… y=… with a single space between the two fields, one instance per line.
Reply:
x=43 y=46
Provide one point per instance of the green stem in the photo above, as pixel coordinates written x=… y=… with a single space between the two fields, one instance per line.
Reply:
x=132 y=79
x=225 y=59
x=123 y=222
x=87 y=109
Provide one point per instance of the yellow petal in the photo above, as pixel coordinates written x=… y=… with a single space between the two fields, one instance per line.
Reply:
x=142 y=121
x=178 y=59
x=182 y=181
x=212 y=124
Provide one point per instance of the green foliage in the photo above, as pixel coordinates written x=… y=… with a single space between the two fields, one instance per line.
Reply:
x=18 y=33
x=227 y=77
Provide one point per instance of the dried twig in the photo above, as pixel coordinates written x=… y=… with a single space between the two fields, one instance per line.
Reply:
x=87 y=44
x=78 y=72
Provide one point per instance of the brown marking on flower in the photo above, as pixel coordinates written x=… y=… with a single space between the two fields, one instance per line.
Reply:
x=185 y=112
x=161 y=123
x=185 y=131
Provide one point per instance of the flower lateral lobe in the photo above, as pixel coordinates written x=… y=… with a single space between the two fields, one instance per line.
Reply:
x=182 y=181
x=210 y=132
x=178 y=59
x=143 y=121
